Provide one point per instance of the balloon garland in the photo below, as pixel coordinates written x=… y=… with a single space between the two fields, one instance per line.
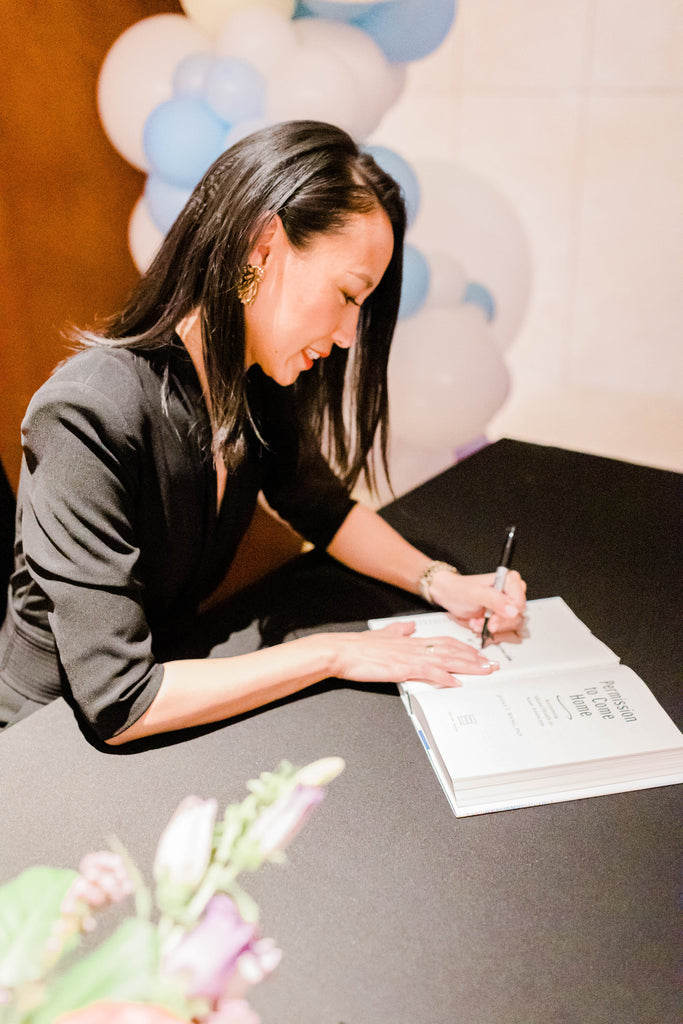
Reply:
x=175 y=91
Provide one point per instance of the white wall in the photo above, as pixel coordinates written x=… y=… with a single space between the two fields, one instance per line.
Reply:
x=572 y=109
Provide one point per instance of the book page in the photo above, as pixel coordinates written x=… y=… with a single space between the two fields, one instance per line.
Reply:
x=552 y=638
x=526 y=730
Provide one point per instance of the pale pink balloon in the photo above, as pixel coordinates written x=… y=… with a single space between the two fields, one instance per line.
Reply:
x=447 y=377
x=464 y=214
x=410 y=466
x=371 y=72
x=259 y=34
x=316 y=85
x=136 y=75
x=447 y=279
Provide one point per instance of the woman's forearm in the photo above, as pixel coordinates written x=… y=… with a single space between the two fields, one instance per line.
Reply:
x=199 y=691
x=366 y=543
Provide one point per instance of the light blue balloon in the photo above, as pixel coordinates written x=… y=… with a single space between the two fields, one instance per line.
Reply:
x=189 y=78
x=408 y=30
x=235 y=90
x=415 y=286
x=164 y=201
x=182 y=138
x=477 y=295
x=402 y=173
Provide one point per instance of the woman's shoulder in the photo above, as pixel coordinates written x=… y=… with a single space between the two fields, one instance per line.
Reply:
x=115 y=385
x=102 y=367
x=118 y=375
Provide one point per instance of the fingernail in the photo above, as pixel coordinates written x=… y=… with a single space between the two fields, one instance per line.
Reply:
x=512 y=610
x=492 y=664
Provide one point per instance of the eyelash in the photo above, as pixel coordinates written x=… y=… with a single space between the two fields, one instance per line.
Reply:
x=350 y=299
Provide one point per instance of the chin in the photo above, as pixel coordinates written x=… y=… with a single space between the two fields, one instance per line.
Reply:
x=282 y=375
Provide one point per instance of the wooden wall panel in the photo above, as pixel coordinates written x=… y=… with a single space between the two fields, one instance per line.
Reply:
x=65 y=193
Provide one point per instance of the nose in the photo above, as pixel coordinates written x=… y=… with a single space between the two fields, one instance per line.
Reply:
x=344 y=334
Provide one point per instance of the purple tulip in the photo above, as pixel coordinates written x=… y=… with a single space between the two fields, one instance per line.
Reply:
x=207 y=956
x=275 y=828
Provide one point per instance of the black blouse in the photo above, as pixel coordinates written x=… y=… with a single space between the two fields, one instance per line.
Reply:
x=118 y=534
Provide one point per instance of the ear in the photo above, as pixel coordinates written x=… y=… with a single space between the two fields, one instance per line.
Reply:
x=270 y=238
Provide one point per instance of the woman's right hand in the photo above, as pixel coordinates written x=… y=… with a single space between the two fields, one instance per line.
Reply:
x=394 y=655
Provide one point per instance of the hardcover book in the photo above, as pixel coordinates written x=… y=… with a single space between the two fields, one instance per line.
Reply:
x=560 y=720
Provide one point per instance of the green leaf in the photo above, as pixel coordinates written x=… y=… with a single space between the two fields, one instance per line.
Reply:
x=124 y=968
x=29 y=910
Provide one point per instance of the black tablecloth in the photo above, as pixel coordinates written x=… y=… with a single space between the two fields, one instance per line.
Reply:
x=390 y=910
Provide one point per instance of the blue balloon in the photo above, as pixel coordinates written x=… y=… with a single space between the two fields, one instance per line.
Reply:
x=408 y=30
x=189 y=78
x=477 y=295
x=415 y=286
x=402 y=173
x=333 y=10
x=235 y=90
x=164 y=201
x=301 y=10
x=182 y=138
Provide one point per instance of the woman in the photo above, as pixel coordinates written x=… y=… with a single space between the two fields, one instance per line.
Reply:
x=146 y=451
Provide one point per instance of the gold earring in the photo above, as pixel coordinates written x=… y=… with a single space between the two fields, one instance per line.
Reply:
x=249 y=282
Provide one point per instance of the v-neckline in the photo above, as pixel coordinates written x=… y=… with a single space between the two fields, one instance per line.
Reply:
x=220 y=473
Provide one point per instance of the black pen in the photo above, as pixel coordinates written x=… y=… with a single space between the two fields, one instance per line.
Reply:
x=501 y=574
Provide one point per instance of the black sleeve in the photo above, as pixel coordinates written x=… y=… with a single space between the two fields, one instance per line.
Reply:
x=82 y=454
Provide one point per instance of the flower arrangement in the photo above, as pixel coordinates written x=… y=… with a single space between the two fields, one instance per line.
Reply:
x=192 y=948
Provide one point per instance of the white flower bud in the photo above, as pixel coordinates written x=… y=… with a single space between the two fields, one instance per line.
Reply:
x=184 y=849
x=320 y=773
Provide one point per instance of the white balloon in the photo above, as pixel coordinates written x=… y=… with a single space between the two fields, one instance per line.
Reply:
x=144 y=237
x=258 y=34
x=447 y=280
x=464 y=214
x=137 y=75
x=397 y=83
x=211 y=15
x=410 y=466
x=240 y=130
x=373 y=75
x=315 y=85
x=446 y=378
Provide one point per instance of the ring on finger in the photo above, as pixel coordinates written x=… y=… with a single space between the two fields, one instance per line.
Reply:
x=430 y=648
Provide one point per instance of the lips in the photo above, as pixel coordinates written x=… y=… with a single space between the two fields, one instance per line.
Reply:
x=311 y=355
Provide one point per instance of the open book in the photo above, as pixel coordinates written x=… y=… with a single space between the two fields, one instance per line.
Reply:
x=561 y=719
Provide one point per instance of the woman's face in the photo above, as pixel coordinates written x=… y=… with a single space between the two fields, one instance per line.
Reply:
x=309 y=300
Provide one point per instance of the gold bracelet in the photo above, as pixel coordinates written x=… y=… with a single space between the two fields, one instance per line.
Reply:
x=424 y=583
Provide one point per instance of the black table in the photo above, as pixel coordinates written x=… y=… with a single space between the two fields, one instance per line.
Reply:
x=391 y=910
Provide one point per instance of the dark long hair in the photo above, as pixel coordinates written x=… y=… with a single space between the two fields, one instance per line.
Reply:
x=313 y=176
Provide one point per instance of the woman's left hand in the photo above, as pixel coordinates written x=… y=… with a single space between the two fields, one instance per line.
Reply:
x=467 y=598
